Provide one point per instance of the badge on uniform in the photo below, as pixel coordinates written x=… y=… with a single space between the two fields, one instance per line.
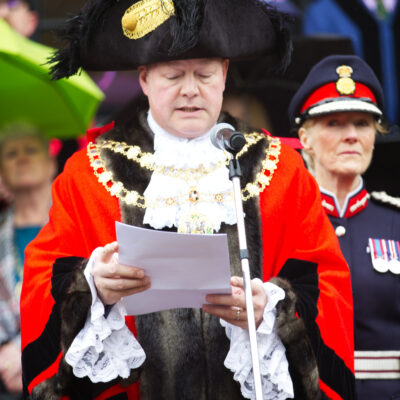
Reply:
x=385 y=255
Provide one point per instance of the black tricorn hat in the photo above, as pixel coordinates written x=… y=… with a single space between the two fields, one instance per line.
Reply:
x=123 y=34
x=337 y=83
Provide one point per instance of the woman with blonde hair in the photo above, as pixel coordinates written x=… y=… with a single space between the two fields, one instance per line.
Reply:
x=337 y=111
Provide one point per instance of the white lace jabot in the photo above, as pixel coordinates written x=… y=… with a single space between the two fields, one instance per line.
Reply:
x=187 y=154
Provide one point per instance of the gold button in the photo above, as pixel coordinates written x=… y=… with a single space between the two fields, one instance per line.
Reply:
x=129 y=22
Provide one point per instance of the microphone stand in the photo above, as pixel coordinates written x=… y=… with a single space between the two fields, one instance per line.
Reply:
x=234 y=175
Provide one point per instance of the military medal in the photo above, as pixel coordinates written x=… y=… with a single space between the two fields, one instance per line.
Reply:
x=394 y=256
x=385 y=255
x=379 y=261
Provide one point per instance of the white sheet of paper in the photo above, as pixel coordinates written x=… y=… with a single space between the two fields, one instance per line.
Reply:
x=183 y=268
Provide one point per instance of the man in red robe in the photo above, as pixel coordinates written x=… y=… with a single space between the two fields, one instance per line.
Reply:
x=159 y=170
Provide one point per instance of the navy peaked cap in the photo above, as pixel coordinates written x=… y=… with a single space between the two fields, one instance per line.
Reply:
x=323 y=92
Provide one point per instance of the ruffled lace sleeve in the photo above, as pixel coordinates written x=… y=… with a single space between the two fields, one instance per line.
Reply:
x=274 y=367
x=105 y=348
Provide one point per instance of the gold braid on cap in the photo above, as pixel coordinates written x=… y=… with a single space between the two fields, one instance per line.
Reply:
x=144 y=16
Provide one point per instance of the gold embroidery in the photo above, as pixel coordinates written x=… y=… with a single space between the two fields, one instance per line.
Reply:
x=132 y=197
x=144 y=16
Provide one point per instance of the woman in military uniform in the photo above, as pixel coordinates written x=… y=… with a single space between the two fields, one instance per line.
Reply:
x=337 y=111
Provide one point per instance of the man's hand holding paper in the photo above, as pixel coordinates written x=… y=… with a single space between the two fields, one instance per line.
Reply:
x=113 y=280
x=183 y=269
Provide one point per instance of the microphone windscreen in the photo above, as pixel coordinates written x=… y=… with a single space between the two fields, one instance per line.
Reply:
x=215 y=140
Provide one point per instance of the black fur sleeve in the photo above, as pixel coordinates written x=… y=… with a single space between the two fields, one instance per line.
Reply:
x=308 y=355
x=72 y=296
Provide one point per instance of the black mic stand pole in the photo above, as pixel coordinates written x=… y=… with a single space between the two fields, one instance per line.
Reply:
x=234 y=175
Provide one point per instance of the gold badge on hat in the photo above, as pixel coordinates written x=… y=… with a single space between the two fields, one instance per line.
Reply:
x=345 y=84
x=144 y=16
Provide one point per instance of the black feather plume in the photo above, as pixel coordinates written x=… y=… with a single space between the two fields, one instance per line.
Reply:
x=284 y=45
x=77 y=32
x=186 y=24
x=65 y=62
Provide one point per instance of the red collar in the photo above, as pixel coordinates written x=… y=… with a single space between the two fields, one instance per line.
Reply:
x=355 y=203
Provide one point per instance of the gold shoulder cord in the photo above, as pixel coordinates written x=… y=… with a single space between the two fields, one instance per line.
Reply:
x=134 y=153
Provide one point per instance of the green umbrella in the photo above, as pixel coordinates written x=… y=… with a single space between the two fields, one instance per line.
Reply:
x=61 y=109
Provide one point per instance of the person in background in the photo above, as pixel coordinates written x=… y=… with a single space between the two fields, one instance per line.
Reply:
x=247 y=107
x=20 y=15
x=338 y=113
x=159 y=170
x=23 y=17
x=27 y=172
x=5 y=197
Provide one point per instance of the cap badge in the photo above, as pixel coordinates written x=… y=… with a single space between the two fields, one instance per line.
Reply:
x=345 y=84
x=144 y=16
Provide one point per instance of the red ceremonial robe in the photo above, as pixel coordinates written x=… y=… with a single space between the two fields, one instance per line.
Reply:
x=295 y=230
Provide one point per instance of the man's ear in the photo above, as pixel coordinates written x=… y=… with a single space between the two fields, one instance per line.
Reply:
x=143 y=73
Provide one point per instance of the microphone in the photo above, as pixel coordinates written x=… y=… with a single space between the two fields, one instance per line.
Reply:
x=224 y=137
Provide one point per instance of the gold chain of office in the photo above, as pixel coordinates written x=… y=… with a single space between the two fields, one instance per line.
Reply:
x=145 y=160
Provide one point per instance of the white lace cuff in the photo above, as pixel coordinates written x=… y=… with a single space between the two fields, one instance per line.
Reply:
x=274 y=367
x=105 y=348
